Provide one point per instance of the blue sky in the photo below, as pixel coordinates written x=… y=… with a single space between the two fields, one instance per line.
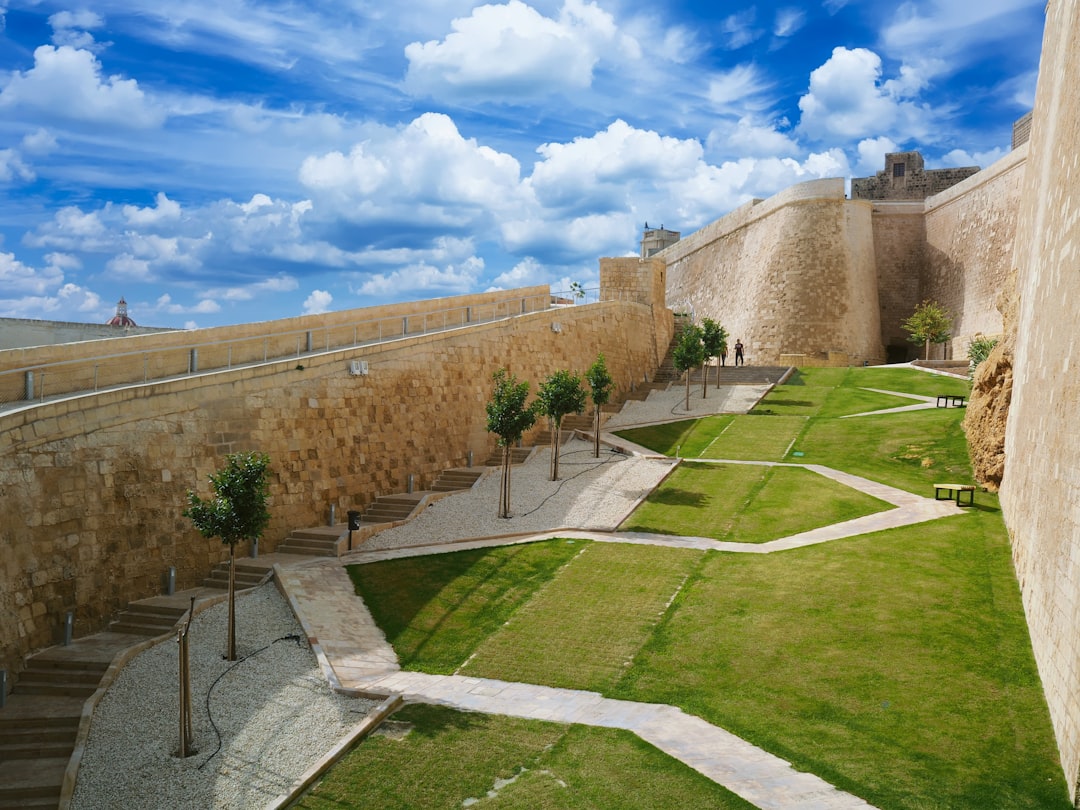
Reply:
x=226 y=161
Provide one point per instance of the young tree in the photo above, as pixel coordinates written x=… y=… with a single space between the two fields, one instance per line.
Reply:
x=929 y=323
x=689 y=353
x=508 y=417
x=714 y=338
x=236 y=512
x=558 y=395
x=599 y=380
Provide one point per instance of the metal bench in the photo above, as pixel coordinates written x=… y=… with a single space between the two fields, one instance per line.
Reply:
x=950 y=400
x=953 y=491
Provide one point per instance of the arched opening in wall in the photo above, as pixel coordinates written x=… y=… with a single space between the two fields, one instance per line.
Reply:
x=898 y=353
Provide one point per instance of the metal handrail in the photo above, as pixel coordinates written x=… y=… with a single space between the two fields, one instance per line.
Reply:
x=36 y=382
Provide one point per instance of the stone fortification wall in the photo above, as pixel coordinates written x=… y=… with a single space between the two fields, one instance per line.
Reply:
x=89 y=365
x=792 y=276
x=1040 y=491
x=970 y=231
x=92 y=488
x=899 y=256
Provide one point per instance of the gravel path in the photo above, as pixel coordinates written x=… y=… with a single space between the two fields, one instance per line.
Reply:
x=274 y=711
x=591 y=494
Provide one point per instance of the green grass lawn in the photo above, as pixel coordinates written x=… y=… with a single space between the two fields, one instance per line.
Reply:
x=447 y=758
x=746 y=504
x=896 y=666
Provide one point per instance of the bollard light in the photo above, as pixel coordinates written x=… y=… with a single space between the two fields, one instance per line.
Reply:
x=69 y=623
x=170 y=582
x=470 y=458
x=409 y=484
x=333 y=514
x=354 y=524
x=3 y=688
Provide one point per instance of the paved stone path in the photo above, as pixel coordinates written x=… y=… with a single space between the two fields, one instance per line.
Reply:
x=355 y=656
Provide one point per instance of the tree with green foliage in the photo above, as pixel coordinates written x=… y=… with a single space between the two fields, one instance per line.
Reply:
x=236 y=512
x=714 y=338
x=600 y=384
x=508 y=417
x=929 y=323
x=689 y=353
x=979 y=349
x=559 y=395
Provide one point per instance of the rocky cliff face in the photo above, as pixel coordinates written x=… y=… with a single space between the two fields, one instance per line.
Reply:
x=991 y=395
x=988 y=409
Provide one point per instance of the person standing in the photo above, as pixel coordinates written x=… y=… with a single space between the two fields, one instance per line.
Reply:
x=739 y=361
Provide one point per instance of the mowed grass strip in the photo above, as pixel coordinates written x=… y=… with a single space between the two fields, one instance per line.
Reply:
x=686 y=438
x=436 y=758
x=754 y=438
x=583 y=629
x=896 y=666
x=746 y=503
x=436 y=609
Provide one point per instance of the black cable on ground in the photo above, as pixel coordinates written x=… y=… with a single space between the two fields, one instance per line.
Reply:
x=293 y=637
x=563 y=481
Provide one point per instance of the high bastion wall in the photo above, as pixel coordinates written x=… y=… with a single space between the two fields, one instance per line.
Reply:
x=792 y=276
x=1033 y=376
x=92 y=488
x=970 y=234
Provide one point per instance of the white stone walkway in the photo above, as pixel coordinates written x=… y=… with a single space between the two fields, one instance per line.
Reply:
x=355 y=656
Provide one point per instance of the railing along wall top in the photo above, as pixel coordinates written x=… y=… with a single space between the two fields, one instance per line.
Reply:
x=33 y=384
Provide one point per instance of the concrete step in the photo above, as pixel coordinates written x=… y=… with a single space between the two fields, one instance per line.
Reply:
x=456 y=480
x=518 y=455
x=247 y=576
x=312 y=547
x=29 y=784
x=146 y=619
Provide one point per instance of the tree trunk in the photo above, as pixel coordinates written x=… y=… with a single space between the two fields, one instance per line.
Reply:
x=504 y=484
x=927 y=357
x=688 y=390
x=704 y=378
x=596 y=446
x=555 y=450
x=230 y=654
x=718 y=372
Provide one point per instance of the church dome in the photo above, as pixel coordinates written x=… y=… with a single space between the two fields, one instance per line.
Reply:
x=121 y=317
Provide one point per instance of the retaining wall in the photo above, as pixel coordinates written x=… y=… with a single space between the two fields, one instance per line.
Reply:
x=92 y=488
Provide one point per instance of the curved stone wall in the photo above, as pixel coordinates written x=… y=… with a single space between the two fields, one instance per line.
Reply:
x=792 y=276
x=92 y=488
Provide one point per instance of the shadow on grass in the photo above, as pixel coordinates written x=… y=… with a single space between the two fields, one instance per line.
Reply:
x=679 y=497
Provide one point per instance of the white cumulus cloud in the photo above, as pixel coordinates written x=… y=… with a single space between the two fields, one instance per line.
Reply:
x=67 y=83
x=512 y=50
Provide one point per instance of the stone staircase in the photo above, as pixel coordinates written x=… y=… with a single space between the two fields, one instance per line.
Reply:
x=518 y=455
x=321 y=541
x=247 y=576
x=457 y=479
x=39 y=723
x=144 y=618
x=390 y=508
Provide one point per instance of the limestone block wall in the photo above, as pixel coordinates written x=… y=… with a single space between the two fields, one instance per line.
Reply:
x=970 y=232
x=793 y=275
x=92 y=365
x=1040 y=491
x=900 y=256
x=92 y=489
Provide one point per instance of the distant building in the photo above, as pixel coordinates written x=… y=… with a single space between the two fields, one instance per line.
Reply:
x=21 y=333
x=656 y=239
x=1021 y=130
x=121 y=318
x=904 y=178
